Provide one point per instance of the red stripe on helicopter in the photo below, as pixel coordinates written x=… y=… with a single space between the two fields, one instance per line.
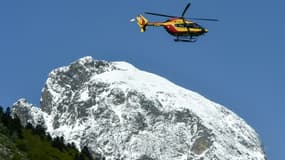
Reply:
x=143 y=21
x=171 y=29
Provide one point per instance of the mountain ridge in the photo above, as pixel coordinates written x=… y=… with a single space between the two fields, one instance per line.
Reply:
x=122 y=112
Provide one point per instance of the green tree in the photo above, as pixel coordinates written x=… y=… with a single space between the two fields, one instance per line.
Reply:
x=1 y=113
x=85 y=151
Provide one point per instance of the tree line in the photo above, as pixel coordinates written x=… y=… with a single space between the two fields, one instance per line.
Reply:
x=36 y=142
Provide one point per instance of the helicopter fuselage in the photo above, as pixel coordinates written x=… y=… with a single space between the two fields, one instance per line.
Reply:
x=180 y=27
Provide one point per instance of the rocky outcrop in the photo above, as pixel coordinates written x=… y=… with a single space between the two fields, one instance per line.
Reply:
x=121 y=112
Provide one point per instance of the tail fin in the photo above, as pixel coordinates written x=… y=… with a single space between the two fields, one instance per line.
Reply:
x=142 y=22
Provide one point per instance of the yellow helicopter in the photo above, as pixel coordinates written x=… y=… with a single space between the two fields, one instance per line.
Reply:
x=183 y=29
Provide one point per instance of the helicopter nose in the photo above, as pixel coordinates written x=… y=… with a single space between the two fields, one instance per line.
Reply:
x=205 y=30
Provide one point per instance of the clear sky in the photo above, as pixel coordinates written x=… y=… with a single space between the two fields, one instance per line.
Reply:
x=240 y=63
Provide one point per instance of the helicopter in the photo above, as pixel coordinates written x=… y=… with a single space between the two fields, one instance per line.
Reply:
x=183 y=29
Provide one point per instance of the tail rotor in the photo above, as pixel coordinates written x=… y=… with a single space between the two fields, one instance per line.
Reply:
x=141 y=21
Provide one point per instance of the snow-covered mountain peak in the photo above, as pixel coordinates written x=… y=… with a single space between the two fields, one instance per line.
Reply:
x=23 y=103
x=124 y=66
x=122 y=112
x=27 y=113
x=87 y=59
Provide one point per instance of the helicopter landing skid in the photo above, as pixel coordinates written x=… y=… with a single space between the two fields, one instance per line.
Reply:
x=192 y=40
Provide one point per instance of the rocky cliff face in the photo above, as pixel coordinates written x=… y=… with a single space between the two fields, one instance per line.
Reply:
x=121 y=112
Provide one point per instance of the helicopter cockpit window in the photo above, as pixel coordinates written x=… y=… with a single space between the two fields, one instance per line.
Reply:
x=195 y=25
x=188 y=25
x=180 y=25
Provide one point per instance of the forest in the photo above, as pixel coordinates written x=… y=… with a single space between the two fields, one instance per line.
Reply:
x=33 y=143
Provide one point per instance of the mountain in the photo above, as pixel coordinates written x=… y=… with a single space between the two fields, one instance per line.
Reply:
x=121 y=112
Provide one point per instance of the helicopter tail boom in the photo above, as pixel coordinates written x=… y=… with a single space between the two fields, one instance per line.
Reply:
x=142 y=22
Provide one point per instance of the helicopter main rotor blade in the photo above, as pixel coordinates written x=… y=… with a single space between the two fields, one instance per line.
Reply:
x=161 y=15
x=204 y=19
x=185 y=9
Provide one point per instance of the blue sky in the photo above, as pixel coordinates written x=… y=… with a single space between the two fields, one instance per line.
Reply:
x=239 y=63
